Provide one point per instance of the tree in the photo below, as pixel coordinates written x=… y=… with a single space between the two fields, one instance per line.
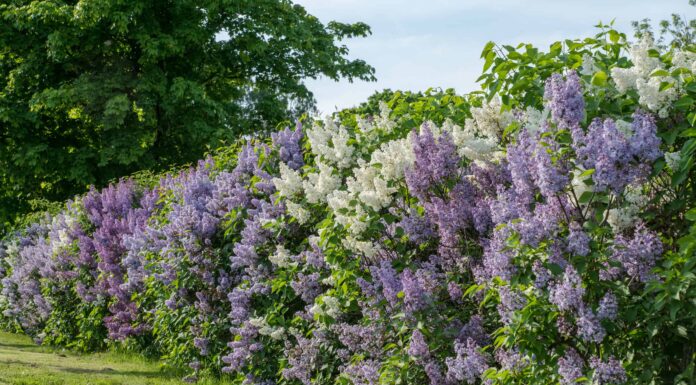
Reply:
x=91 y=90
x=678 y=32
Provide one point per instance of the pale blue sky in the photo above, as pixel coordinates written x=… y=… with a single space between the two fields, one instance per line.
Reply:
x=437 y=43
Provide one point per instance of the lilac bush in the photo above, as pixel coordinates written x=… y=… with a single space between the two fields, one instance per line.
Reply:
x=518 y=248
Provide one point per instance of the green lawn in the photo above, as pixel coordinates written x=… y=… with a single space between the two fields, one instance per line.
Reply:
x=24 y=363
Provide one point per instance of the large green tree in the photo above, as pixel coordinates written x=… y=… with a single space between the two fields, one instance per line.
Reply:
x=92 y=90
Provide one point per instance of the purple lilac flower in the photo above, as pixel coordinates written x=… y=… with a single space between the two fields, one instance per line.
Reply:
x=565 y=100
x=543 y=223
x=303 y=356
x=462 y=209
x=430 y=279
x=617 y=159
x=242 y=348
x=510 y=301
x=388 y=279
x=288 y=144
x=203 y=345
x=116 y=216
x=436 y=161
x=418 y=348
x=364 y=372
x=568 y=294
x=551 y=178
x=520 y=162
x=510 y=360
x=578 y=240
x=645 y=144
x=607 y=372
x=589 y=327
x=434 y=373
x=608 y=307
x=570 y=367
x=414 y=294
x=418 y=228
x=638 y=255
x=497 y=257
x=468 y=364
x=359 y=338
x=542 y=275
x=307 y=286
x=455 y=292
x=565 y=326
x=22 y=288
x=474 y=330
x=509 y=205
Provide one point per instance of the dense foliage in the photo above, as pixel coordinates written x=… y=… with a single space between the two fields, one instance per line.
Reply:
x=539 y=231
x=92 y=90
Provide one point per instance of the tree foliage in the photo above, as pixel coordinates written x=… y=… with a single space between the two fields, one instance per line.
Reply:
x=92 y=90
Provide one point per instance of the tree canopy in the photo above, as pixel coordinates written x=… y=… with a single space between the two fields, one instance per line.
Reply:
x=91 y=90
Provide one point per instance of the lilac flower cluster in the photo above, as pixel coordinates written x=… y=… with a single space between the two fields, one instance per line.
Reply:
x=637 y=255
x=454 y=211
x=116 y=214
x=565 y=100
x=607 y=372
x=436 y=161
x=570 y=367
x=288 y=144
x=618 y=159
x=21 y=288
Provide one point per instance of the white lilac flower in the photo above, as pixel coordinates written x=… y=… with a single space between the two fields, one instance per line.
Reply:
x=533 y=119
x=366 y=248
x=684 y=59
x=333 y=308
x=624 y=78
x=281 y=258
x=489 y=120
x=652 y=98
x=588 y=65
x=370 y=129
x=672 y=159
x=393 y=158
x=471 y=146
x=346 y=212
x=625 y=217
x=318 y=185
x=370 y=188
x=297 y=211
x=289 y=183
x=330 y=142
x=639 y=77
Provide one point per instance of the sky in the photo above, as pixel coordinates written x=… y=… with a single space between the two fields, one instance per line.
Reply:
x=417 y=44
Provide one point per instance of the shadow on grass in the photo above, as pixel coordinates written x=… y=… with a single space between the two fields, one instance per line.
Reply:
x=103 y=371
x=18 y=346
x=114 y=372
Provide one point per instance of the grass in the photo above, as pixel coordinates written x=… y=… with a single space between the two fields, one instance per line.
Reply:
x=24 y=363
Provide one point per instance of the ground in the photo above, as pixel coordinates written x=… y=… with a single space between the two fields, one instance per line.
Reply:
x=24 y=363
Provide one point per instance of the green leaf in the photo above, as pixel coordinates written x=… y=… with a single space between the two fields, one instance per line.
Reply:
x=599 y=79
x=587 y=173
x=659 y=72
x=614 y=36
x=691 y=215
x=684 y=103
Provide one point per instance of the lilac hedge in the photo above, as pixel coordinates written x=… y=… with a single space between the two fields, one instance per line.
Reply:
x=545 y=238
